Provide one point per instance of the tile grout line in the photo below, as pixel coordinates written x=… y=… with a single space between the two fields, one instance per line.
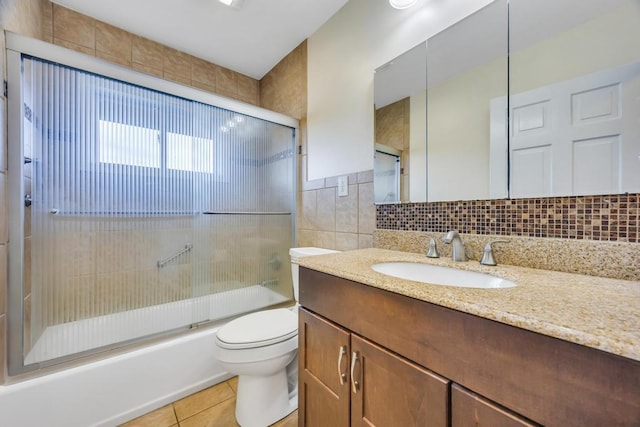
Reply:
x=208 y=407
x=205 y=409
x=175 y=414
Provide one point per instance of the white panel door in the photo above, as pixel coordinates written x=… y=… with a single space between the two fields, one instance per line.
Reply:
x=534 y=127
x=577 y=137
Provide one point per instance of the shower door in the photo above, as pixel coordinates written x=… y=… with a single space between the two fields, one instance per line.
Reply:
x=244 y=233
x=145 y=212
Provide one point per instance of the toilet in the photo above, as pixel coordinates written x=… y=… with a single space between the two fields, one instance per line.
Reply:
x=262 y=348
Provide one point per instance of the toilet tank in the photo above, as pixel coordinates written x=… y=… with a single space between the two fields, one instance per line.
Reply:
x=296 y=253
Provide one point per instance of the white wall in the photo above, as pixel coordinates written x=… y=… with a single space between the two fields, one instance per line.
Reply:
x=607 y=41
x=342 y=55
x=459 y=132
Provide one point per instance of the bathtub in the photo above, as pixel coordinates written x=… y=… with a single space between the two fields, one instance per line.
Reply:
x=119 y=388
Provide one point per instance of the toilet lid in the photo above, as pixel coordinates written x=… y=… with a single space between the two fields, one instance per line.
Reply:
x=259 y=329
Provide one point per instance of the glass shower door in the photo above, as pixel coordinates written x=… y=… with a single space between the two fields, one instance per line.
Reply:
x=247 y=220
x=149 y=212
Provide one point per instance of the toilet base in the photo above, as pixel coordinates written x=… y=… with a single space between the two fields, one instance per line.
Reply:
x=263 y=400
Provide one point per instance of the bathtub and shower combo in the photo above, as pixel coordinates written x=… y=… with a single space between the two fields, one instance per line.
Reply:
x=143 y=215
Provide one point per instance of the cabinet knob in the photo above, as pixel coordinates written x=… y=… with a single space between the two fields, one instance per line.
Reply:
x=341 y=375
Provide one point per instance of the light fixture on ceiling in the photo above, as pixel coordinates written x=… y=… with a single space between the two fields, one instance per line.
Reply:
x=232 y=3
x=400 y=4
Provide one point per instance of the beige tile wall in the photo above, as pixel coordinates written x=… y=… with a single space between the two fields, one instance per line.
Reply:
x=284 y=88
x=76 y=31
x=22 y=16
x=392 y=125
x=336 y=222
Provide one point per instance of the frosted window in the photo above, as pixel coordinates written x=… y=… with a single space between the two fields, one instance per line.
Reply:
x=189 y=153
x=129 y=145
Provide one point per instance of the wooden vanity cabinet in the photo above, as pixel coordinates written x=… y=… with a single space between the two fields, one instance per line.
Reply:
x=418 y=363
x=348 y=380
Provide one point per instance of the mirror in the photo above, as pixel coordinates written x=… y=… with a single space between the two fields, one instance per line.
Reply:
x=571 y=126
x=467 y=79
x=574 y=97
x=400 y=128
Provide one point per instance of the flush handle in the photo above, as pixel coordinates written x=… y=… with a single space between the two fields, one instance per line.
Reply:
x=355 y=384
x=342 y=375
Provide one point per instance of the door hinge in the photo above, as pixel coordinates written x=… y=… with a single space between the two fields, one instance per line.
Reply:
x=299 y=149
x=6 y=89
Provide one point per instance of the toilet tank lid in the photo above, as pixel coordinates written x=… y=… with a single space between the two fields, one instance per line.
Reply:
x=309 y=251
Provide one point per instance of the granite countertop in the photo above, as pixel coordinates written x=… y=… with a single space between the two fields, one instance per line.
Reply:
x=592 y=311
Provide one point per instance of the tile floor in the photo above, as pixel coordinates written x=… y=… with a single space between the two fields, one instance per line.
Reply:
x=212 y=407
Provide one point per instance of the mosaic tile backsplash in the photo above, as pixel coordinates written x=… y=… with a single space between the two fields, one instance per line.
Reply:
x=605 y=217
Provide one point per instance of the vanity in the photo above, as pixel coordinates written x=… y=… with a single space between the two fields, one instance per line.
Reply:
x=558 y=349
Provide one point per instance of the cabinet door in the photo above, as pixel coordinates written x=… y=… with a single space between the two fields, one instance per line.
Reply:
x=388 y=390
x=471 y=410
x=323 y=387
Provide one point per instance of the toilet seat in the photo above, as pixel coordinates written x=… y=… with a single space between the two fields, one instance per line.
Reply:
x=258 y=329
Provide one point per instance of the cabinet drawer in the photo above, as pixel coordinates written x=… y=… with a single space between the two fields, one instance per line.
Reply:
x=471 y=410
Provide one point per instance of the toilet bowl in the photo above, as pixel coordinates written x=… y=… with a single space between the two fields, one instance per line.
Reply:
x=261 y=348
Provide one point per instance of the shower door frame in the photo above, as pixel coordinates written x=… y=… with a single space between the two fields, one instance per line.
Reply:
x=16 y=47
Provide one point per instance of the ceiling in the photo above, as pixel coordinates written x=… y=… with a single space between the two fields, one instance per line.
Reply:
x=251 y=39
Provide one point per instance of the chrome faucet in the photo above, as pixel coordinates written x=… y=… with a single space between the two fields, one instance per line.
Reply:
x=457 y=252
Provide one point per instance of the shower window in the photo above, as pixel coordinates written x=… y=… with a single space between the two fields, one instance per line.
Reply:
x=150 y=212
x=114 y=146
x=183 y=150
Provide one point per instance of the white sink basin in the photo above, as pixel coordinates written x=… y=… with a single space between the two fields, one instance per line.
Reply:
x=445 y=276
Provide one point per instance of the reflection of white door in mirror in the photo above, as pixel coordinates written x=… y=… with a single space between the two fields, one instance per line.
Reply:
x=386 y=173
x=572 y=138
x=574 y=80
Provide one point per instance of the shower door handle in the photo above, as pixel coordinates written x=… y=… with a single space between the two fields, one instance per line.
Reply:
x=341 y=375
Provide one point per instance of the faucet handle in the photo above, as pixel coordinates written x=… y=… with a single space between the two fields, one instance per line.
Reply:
x=433 y=249
x=487 y=253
